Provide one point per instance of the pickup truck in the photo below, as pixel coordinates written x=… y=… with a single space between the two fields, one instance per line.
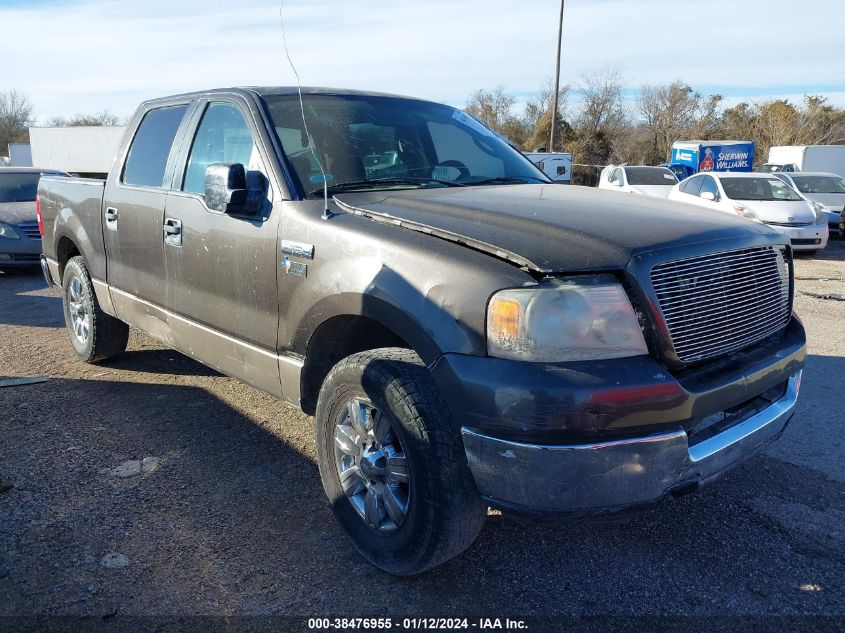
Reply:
x=465 y=333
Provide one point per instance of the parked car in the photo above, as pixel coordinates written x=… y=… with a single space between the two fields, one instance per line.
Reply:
x=20 y=239
x=465 y=332
x=681 y=171
x=773 y=168
x=641 y=179
x=761 y=198
x=825 y=190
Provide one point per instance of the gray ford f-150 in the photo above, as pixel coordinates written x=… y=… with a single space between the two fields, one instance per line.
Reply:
x=466 y=333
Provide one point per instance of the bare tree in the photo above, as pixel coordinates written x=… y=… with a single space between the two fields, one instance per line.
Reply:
x=100 y=118
x=538 y=119
x=602 y=118
x=15 y=118
x=668 y=112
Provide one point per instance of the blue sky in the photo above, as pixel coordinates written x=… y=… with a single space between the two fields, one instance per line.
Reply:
x=74 y=56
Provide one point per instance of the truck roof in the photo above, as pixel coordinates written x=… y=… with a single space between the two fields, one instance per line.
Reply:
x=713 y=142
x=265 y=91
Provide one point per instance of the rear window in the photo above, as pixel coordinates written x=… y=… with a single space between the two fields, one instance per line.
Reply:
x=819 y=184
x=650 y=176
x=18 y=187
x=147 y=160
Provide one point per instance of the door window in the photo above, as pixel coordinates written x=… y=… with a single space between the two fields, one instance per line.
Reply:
x=223 y=136
x=692 y=185
x=147 y=159
x=616 y=177
x=710 y=185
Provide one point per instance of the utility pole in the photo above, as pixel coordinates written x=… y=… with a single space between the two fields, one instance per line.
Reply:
x=557 y=79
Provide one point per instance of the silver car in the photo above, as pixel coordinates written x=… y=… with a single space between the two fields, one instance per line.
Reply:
x=20 y=237
x=825 y=190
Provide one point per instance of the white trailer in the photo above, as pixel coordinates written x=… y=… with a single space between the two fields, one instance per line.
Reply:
x=556 y=165
x=830 y=158
x=85 y=150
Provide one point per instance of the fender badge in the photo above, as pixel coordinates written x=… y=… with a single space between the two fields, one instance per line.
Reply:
x=298 y=249
x=294 y=268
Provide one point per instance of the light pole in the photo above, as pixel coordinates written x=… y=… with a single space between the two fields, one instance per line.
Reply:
x=557 y=79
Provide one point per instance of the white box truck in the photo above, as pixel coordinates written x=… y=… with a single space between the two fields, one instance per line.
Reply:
x=83 y=150
x=829 y=158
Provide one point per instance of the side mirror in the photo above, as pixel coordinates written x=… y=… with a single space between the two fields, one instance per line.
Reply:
x=709 y=196
x=226 y=190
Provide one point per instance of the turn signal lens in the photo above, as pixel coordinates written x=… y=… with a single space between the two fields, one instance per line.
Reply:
x=503 y=320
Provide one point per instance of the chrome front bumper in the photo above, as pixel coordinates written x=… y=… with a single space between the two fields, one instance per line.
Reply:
x=609 y=476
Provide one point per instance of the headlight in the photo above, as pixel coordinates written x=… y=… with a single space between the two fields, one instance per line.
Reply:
x=744 y=212
x=575 y=319
x=821 y=213
x=8 y=232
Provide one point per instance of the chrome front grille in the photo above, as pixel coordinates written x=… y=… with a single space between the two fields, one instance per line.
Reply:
x=30 y=229
x=720 y=303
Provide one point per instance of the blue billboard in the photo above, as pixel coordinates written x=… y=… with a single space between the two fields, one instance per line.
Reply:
x=714 y=155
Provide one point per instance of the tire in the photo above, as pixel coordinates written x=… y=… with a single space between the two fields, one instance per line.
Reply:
x=410 y=424
x=94 y=335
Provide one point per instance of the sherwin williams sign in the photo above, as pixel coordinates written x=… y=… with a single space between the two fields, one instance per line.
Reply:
x=714 y=155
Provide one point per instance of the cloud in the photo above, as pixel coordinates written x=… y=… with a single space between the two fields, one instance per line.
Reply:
x=88 y=55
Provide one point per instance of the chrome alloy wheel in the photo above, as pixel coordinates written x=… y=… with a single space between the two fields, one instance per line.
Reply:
x=371 y=465
x=79 y=317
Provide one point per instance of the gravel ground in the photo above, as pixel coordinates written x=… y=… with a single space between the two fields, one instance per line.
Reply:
x=153 y=485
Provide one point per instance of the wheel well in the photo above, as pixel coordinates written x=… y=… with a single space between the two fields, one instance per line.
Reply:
x=65 y=249
x=333 y=341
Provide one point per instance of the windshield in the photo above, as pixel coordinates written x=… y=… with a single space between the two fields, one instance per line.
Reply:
x=769 y=168
x=758 y=189
x=650 y=176
x=819 y=184
x=18 y=187
x=370 y=142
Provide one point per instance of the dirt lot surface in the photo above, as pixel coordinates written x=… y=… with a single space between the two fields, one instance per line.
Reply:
x=152 y=485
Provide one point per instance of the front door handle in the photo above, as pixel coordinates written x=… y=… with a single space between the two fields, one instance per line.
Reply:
x=172 y=231
x=111 y=218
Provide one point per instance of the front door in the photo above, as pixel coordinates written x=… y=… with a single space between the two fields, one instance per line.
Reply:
x=221 y=268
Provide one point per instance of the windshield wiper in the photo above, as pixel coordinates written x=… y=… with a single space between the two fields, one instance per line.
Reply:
x=375 y=182
x=508 y=181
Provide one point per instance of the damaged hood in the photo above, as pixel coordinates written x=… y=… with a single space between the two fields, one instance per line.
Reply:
x=550 y=228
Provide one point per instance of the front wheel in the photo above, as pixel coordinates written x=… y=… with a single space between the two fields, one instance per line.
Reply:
x=392 y=463
x=94 y=335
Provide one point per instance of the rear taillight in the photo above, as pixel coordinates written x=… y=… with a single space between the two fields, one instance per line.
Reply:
x=38 y=215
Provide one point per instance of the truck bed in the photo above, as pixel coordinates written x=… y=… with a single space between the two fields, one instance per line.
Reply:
x=79 y=201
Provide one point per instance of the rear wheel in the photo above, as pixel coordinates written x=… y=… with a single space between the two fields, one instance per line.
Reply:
x=94 y=335
x=392 y=463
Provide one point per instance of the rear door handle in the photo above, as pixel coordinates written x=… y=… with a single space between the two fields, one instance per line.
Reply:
x=172 y=231
x=111 y=218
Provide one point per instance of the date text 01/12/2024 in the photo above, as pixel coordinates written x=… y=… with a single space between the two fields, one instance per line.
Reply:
x=442 y=624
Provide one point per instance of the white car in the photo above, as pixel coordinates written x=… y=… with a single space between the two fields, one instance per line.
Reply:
x=641 y=179
x=825 y=190
x=761 y=198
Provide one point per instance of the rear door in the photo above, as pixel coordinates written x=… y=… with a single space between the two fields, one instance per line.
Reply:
x=221 y=268
x=133 y=211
